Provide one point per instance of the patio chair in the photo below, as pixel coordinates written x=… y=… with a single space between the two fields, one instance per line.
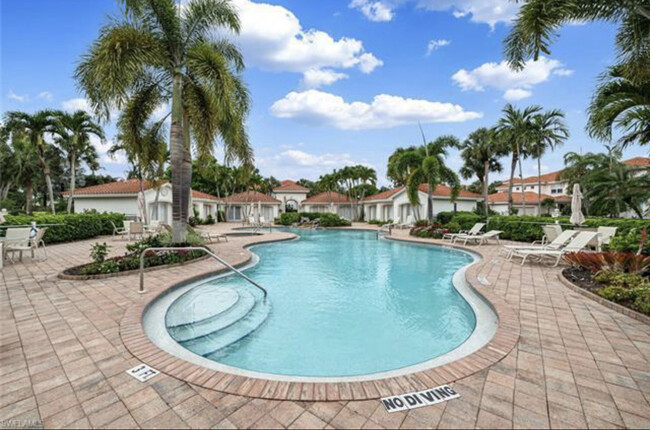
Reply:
x=551 y=232
x=605 y=235
x=476 y=229
x=480 y=239
x=135 y=229
x=557 y=243
x=16 y=240
x=577 y=244
x=121 y=232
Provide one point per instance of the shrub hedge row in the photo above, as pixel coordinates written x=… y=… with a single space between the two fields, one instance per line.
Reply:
x=326 y=219
x=71 y=226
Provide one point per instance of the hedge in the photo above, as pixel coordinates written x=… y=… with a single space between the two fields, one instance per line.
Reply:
x=520 y=228
x=73 y=226
x=326 y=219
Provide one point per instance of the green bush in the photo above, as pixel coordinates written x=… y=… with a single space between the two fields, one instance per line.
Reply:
x=99 y=251
x=629 y=242
x=642 y=301
x=616 y=294
x=529 y=228
x=71 y=227
x=454 y=227
x=326 y=219
x=466 y=220
x=445 y=217
x=377 y=222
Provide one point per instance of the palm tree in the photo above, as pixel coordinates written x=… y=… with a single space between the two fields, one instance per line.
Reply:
x=480 y=153
x=618 y=189
x=158 y=53
x=514 y=128
x=34 y=128
x=425 y=165
x=548 y=132
x=538 y=22
x=620 y=103
x=73 y=137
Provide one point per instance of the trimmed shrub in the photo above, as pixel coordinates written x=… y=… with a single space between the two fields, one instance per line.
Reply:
x=466 y=220
x=71 y=227
x=326 y=219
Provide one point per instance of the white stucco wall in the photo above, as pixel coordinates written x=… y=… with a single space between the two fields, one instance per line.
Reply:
x=238 y=212
x=400 y=207
x=125 y=205
x=284 y=197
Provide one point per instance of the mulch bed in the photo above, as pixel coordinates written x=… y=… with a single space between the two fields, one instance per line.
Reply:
x=582 y=278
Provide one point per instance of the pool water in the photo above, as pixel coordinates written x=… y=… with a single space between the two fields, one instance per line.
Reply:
x=343 y=303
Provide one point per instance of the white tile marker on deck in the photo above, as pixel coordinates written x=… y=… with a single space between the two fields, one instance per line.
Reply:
x=419 y=399
x=142 y=372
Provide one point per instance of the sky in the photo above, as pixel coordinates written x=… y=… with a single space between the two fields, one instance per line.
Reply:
x=337 y=82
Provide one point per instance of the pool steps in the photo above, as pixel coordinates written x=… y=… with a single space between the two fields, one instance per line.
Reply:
x=206 y=334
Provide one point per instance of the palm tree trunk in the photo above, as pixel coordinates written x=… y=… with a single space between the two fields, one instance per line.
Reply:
x=47 y=173
x=513 y=167
x=486 y=172
x=523 y=192
x=176 y=159
x=429 y=203
x=539 y=186
x=29 y=197
x=187 y=168
x=73 y=180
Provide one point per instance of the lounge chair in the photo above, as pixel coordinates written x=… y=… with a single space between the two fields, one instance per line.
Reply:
x=605 y=235
x=577 y=244
x=410 y=222
x=551 y=232
x=476 y=229
x=121 y=232
x=557 y=243
x=480 y=239
x=207 y=236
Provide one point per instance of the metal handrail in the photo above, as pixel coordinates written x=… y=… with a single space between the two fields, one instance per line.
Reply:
x=194 y=248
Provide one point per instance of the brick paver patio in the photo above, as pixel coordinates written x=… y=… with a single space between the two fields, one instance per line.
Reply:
x=63 y=361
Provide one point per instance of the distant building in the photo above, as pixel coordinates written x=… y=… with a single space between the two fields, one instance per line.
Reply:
x=241 y=206
x=394 y=204
x=332 y=202
x=122 y=197
x=291 y=195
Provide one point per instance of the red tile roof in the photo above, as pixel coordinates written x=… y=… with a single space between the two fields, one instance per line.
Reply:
x=327 y=197
x=440 y=191
x=289 y=185
x=545 y=178
x=250 y=197
x=638 y=161
x=129 y=186
x=529 y=197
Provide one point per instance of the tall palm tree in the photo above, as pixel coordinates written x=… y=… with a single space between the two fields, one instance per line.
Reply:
x=425 y=165
x=73 y=132
x=34 y=128
x=538 y=22
x=548 y=132
x=514 y=128
x=480 y=153
x=620 y=103
x=158 y=54
x=618 y=189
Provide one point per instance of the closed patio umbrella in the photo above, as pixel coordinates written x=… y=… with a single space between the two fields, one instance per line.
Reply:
x=577 y=218
x=259 y=210
x=142 y=211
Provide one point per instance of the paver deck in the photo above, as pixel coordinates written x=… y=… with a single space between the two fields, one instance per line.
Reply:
x=63 y=359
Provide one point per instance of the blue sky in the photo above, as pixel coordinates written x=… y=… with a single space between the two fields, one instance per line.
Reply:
x=340 y=81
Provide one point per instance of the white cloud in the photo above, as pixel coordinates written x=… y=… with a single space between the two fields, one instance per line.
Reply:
x=294 y=163
x=489 y=12
x=76 y=104
x=314 y=78
x=46 y=95
x=515 y=94
x=435 y=44
x=377 y=11
x=118 y=159
x=321 y=108
x=272 y=38
x=21 y=98
x=563 y=72
x=501 y=77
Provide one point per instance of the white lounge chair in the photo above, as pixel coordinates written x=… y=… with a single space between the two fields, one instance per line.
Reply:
x=480 y=239
x=476 y=229
x=410 y=222
x=551 y=232
x=207 y=236
x=557 y=243
x=577 y=244
x=605 y=235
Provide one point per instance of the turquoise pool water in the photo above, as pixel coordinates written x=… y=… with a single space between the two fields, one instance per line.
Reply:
x=341 y=303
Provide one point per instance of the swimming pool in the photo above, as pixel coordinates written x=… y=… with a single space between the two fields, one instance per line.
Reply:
x=341 y=304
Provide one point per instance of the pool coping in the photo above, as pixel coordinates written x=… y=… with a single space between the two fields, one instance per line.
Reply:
x=505 y=338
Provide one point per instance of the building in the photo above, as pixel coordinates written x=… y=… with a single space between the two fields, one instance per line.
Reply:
x=240 y=206
x=291 y=195
x=551 y=186
x=394 y=204
x=122 y=197
x=330 y=201
x=499 y=202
